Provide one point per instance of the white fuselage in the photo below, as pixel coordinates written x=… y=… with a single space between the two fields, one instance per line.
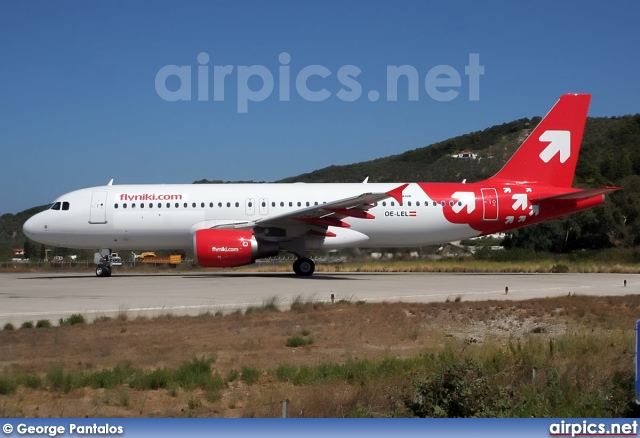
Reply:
x=167 y=216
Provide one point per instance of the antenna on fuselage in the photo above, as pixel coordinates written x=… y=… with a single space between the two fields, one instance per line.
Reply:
x=110 y=182
x=366 y=180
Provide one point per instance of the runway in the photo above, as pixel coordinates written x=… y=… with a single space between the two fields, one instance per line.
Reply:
x=30 y=297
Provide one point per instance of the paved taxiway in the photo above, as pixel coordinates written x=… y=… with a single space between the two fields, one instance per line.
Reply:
x=30 y=297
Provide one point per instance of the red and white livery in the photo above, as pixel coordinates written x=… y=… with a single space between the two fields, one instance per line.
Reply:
x=234 y=224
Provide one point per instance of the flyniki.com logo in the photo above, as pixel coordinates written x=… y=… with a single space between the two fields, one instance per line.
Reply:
x=256 y=83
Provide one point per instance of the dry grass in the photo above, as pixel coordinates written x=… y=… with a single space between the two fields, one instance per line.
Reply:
x=341 y=334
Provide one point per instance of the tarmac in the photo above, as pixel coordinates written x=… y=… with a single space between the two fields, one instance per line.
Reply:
x=31 y=297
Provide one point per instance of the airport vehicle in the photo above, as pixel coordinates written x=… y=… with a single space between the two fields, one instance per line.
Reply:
x=231 y=225
x=174 y=259
x=116 y=260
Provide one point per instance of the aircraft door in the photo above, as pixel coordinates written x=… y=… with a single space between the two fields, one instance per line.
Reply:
x=98 y=210
x=264 y=206
x=250 y=206
x=489 y=204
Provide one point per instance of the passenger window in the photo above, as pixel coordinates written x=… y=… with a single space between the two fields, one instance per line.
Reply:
x=384 y=203
x=210 y=204
x=393 y=204
x=282 y=204
x=273 y=204
x=55 y=206
x=115 y=206
x=409 y=203
x=443 y=203
x=219 y=204
x=237 y=204
x=228 y=204
x=150 y=204
x=168 y=205
x=264 y=204
x=290 y=204
x=133 y=205
x=124 y=205
x=460 y=203
x=65 y=206
x=299 y=204
x=417 y=203
x=307 y=203
x=159 y=205
x=142 y=205
x=193 y=204
x=251 y=204
x=315 y=203
x=435 y=203
x=185 y=205
x=202 y=205
x=451 y=203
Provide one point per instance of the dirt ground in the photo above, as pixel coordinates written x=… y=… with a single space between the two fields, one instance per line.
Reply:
x=339 y=332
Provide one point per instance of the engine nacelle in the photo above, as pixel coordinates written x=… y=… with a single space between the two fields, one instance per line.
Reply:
x=229 y=248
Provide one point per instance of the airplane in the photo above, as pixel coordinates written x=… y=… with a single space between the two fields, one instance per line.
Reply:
x=230 y=225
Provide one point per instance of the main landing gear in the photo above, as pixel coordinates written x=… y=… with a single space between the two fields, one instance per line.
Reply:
x=304 y=266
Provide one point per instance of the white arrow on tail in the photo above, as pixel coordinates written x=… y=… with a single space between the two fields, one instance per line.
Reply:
x=522 y=218
x=559 y=143
x=467 y=199
x=507 y=189
x=509 y=220
x=535 y=210
x=528 y=190
x=521 y=201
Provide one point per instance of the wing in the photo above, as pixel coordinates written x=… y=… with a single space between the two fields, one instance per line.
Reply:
x=314 y=220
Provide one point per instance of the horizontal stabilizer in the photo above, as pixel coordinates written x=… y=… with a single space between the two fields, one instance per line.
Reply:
x=579 y=195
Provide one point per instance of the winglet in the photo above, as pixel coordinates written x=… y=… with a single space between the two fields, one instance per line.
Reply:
x=397 y=193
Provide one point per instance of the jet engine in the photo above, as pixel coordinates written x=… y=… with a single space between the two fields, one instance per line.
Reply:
x=229 y=248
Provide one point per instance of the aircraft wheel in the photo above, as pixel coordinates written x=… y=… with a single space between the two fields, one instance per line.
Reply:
x=304 y=266
x=102 y=271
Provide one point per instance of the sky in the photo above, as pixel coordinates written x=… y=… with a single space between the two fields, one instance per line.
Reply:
x=173 y=92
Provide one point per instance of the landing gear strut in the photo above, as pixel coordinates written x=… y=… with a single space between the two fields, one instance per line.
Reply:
x=304 y=266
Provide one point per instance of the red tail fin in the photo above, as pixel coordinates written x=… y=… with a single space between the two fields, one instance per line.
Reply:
x=550 y=153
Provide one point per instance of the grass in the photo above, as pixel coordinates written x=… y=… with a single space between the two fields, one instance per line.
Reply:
x=386 y=359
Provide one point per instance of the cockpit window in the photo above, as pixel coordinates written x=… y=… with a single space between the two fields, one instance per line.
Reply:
x=65 y=206
x=55 y=206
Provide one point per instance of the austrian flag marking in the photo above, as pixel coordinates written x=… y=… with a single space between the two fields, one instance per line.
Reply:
x=413 y=213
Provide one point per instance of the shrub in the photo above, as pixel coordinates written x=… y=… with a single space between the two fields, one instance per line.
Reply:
x=298 y=341
x=9 y=326
x=250 y=375
x=231 y=376
x=7 y=385
x=60 y=380
x=43 y=323
x=195 y=374
x=74 y=319
x=286 y=372
x=27 y=325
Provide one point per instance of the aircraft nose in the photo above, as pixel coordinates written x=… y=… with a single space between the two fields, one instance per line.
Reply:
x=32 y=227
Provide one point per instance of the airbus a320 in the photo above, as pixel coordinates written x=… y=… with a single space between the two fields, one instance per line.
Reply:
x=230 y=225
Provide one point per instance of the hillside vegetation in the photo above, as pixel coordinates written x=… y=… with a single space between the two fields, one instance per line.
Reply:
x=610 y=155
